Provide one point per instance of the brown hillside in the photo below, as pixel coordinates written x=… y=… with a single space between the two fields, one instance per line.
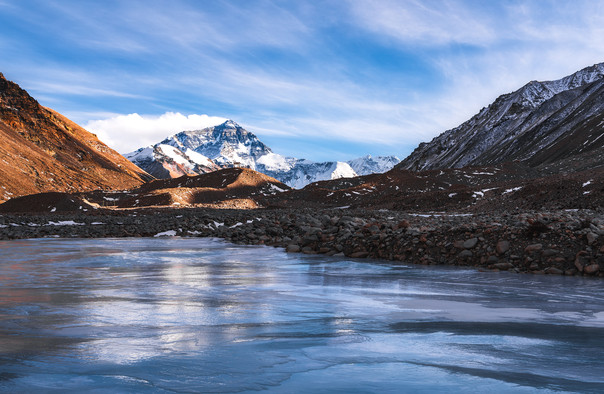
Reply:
x=43 y=151
x=231 y=187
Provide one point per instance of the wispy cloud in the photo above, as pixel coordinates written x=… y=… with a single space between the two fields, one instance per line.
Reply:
x=421 y=23
x=387 y=72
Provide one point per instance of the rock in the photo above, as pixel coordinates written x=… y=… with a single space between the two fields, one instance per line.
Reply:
x=359 y=255
x=553 y=271
x=502 y=247
x=403 y=224
x=492 y=260
x=533 y=248
x=458 y=244
x=465 y=254
x=591 y=238
x=581 y=260
x=293 y=248
x=308 y=250
x=549 y=252
x=470 y=243
x=503 y=266
x=591 y=269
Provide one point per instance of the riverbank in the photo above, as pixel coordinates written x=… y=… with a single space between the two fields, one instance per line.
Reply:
x=565 y=242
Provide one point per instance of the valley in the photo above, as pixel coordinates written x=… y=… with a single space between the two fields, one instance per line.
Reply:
x=519 y=187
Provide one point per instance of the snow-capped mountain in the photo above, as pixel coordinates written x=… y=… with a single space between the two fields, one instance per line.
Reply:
x=165 y=161
x=303 y=172
x=373 y=165
x=230 y=145
x=539 y=123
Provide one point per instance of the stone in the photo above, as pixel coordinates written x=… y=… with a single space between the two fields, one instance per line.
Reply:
x=492 y=260
x=549 y=252
x=293 y=248
x=308 y=250
x=553 y=271
x=359 y=255
x=403 y=224
x=503 y=266
x=458 y=244
x=533 y=248
x=591 y=269
x=470 y=243
x=502 y=247
x=581 y=260
x=465 y=254
x=591 y=238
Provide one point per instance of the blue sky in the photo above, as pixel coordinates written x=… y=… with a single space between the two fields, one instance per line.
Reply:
x=324 y=80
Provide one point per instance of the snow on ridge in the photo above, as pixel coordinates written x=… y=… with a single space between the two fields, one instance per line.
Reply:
x=373 y=165
x=536 y=93
x=229 y=145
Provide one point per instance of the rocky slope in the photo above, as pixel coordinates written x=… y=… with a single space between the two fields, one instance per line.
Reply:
x=43 y=151
x=237 y=188
x=228 y=145
x=541 y=123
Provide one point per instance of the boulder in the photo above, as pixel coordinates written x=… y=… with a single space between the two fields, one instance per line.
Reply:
x=502 y=247
x=470 y=243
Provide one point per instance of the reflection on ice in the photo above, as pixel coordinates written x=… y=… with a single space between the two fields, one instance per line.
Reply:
x=202 y=315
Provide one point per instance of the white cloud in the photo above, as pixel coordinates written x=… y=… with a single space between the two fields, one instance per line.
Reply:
x=126 y=133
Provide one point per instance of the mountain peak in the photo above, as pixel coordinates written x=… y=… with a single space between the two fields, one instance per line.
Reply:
x=523 y=125
x=230 y=145
x=230 y=124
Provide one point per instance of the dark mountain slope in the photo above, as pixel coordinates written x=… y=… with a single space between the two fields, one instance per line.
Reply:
x=540 y=123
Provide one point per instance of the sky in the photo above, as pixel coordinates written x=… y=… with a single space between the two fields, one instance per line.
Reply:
x=321 y=80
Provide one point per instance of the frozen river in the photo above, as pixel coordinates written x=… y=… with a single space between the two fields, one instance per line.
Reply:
x=201 y=315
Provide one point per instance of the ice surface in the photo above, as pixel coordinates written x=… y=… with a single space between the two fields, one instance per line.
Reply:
x=200 y=315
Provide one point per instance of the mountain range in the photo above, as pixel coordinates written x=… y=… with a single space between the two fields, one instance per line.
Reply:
x=544 y=129
x=540 y=124
x=230 y=145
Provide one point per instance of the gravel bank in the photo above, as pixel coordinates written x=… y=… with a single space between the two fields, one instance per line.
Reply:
x=569 y=242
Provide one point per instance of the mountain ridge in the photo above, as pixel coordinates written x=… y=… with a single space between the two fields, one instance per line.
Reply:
x=517 y=125
x=228 y=145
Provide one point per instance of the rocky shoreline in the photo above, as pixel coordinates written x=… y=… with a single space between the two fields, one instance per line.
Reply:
x=564 y=242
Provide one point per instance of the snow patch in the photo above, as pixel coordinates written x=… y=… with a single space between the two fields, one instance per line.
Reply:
x=169 y=233
x=515 y=189
x=64 y=223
